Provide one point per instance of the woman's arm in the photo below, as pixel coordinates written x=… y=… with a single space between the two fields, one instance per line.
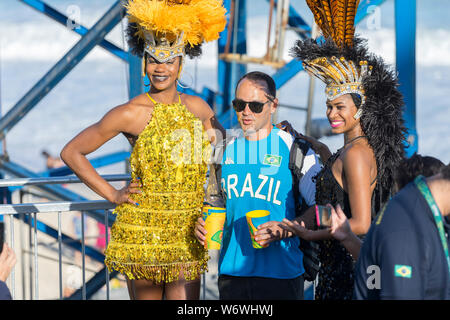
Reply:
x=90 y=139
x=341 y=231
x=357 y=178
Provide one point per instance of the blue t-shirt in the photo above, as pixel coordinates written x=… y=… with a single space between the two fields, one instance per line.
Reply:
x=256 y=176
x=402 y=256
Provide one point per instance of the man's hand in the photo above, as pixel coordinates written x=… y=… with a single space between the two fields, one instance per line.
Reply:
x=296 y=228
x=269 y=232
x=200 y=231
x=7 y=262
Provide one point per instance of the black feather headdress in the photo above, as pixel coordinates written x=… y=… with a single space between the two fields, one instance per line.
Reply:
x=381 y=117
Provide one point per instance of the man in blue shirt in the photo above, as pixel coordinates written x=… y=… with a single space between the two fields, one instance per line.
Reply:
x=255 y=176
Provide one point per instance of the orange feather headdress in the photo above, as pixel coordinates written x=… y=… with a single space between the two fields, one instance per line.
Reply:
x=168 y=26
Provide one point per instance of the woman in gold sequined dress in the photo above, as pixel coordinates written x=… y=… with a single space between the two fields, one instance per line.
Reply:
x=152 y=240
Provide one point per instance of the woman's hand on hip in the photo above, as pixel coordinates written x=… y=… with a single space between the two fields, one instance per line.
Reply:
x=124 y=195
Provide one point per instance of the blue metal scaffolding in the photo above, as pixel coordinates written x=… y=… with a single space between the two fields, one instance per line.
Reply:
x=232 y=38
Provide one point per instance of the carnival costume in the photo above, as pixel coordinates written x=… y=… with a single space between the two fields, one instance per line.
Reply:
x=155 y=240
x=344 y=64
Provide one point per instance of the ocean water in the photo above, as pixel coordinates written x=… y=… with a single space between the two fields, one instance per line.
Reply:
x=31 y=43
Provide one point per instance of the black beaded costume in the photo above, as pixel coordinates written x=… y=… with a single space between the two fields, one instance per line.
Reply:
x=336 y=272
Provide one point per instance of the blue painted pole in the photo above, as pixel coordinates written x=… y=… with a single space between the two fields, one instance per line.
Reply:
x=136 y=81
x=230 y=72
x=286 y=73
x=405 y=39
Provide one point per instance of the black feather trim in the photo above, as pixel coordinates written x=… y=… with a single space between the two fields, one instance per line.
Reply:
x=135 y=43
x=194 y=51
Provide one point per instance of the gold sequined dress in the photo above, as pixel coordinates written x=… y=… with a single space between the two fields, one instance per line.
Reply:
x=155 y=240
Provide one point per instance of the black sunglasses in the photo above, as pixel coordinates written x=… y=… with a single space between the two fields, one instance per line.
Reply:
x=255 y=106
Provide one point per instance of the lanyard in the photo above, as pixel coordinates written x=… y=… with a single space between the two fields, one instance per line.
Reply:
x=423 y=188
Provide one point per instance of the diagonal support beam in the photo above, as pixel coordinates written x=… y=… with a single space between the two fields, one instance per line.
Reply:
x=57 y=16
x=63 y=67
x=93 y=285
x=405 y=57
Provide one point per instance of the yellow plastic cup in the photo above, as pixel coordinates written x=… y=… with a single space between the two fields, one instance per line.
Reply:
x=254 y=219
x=214 y=220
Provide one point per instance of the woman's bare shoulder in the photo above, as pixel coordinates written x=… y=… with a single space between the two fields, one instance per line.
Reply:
x=358 y=156
x=129 y=113
x=199 y=107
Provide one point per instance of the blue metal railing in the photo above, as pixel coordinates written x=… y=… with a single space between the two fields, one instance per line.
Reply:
x=27 y=212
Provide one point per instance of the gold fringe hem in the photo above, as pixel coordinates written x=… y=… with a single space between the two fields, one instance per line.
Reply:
x=160 y=273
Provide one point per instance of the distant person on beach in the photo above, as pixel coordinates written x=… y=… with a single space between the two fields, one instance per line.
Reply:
x=7 y=262
x=364 y=104
x=152 y=239
x=52 y=162
x=255 y=175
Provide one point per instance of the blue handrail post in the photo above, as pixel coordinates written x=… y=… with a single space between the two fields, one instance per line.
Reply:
x=136 y=80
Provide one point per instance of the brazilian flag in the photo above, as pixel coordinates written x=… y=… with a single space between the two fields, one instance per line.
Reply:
x=403 y=271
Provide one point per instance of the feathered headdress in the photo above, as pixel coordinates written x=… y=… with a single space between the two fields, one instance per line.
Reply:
x=169 y=28
x=343 y=62
x=336 y=19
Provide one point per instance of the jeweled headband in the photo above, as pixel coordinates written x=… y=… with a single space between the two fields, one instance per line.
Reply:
x=340 y=76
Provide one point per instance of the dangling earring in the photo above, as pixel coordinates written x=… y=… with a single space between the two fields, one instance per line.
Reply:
x=179 y=84
x=144 y=65
x=181 y=68
x=358 y=114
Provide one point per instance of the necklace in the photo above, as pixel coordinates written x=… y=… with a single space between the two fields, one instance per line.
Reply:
x=154 y=101
x=356 y=138
x=345 y=144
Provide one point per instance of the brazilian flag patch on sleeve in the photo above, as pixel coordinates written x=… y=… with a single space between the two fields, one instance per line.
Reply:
x=403 y=271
